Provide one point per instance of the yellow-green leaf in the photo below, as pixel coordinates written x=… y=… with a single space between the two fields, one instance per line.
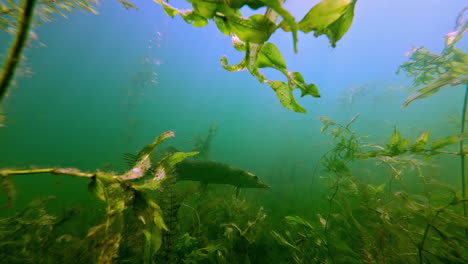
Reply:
x=270 y=56
x=330 y=17
x=450 y=140
x=206 y=9
x=195 y=19
x=421 y=141
x=255 y=29
x=285 y=95
x=296 y=80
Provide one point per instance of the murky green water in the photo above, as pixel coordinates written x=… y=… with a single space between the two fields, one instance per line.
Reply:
x=108 y=84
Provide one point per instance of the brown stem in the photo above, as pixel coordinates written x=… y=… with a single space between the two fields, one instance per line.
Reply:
x=14 y=56
x=57 y=171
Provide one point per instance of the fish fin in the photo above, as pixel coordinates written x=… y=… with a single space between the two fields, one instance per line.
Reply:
x=130 y=159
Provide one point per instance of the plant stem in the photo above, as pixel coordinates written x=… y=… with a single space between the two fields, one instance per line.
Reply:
x=426 y=232
x=14 y=56
x=462 y=155
x=57 y=171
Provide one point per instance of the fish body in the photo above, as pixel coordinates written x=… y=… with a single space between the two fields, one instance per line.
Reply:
x=217 y=173
x=210 y=172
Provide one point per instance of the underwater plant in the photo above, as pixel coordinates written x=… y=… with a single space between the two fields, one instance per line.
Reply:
x=125 y=202
x=364 y=223
x=225 y=229
x=18 y=16
x=432 y=72
x=332 y=18
x=205 y=172
x=250 y=35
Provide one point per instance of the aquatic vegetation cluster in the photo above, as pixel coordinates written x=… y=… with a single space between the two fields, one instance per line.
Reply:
x=381 y=224
x=135 y=227
x=181 y=207
x=432 y=71
x=250 y=35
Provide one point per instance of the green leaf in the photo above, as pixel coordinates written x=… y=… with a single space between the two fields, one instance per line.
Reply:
x=256 y=29
x=339 y=28
x=325 y=120
x=322 y=15
x=143 y=162
x=395 y=138
x=194 y=19
x=296 y=80
x=255 y=4
x=380 y=188
x=330 y=17
x=281 y=240
x=432 y=88
x=450 y=140
x=284 y=93
x=421 y=141
x=168 y=9
x=96 y=187
x=153 y=232
x=222 y=25
x=206 y=9
x=288 y=23
x=270 y=56
x=297 y=220
x=128 y=5
x=150 y=214
x=398 y=145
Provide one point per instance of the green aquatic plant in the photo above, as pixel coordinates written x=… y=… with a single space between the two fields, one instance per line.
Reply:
x=399 y=153
x=32 y=234
x=44 y=11
x=170 y=200
x=364 y=223
x=18 y=16
x=14 y=55
x=203 y=171
x=250 y=35
x=432 y=72
x=121 y=196
x=332 y=18
x=220 y=229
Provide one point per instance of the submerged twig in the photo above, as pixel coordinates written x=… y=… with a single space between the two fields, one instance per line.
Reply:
x=58 y=171
x=14 y=56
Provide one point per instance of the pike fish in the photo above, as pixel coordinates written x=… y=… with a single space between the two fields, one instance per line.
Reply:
x=211 y=172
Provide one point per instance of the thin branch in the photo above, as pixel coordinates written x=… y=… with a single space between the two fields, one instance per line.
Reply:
x=462 y=156
x=17 y=47
x=57 y=171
